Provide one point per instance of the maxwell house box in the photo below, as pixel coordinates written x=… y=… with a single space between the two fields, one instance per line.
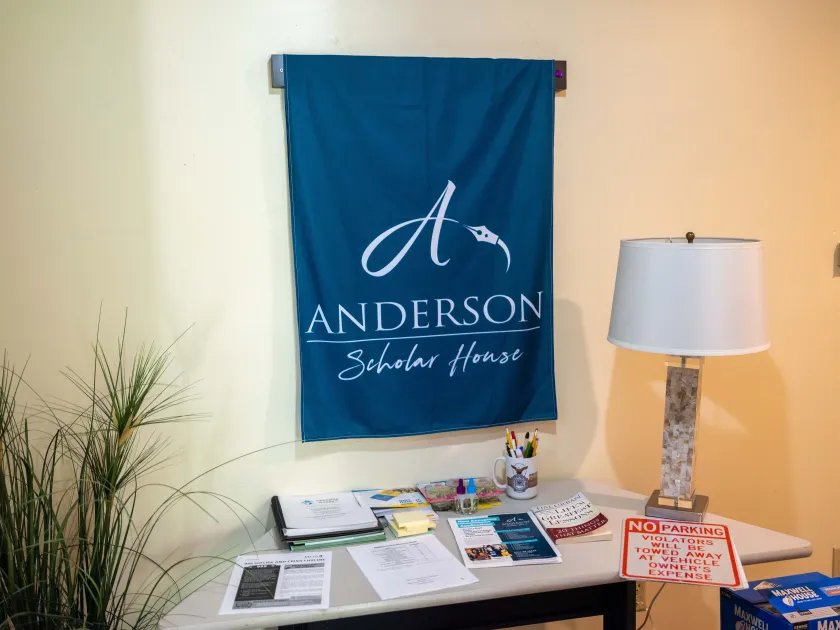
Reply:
x=809 y=601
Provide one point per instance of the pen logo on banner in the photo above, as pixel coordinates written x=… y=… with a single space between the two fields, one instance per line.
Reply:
x=438 y=211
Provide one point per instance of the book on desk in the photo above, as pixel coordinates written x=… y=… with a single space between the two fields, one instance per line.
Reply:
x=573 y=520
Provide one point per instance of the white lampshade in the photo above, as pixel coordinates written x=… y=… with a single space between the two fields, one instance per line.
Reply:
x=704 y=298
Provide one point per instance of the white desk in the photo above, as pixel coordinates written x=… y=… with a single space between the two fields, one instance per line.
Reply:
x=584 y=567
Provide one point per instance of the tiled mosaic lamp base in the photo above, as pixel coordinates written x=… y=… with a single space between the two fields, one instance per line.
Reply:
x=676 y=498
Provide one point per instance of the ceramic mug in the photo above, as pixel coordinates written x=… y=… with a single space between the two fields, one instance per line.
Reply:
x=520 y=475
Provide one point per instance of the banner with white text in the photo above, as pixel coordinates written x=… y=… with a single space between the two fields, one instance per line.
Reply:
x=421 y=201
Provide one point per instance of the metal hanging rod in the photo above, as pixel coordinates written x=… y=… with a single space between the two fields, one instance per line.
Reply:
x=278 y=79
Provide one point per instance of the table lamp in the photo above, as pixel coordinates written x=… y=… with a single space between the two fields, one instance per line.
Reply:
x=689 y=298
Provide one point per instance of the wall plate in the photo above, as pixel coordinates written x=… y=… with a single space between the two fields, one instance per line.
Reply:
x=641 y=603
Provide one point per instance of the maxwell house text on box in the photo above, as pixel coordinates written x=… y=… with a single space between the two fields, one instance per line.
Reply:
x=809 y=601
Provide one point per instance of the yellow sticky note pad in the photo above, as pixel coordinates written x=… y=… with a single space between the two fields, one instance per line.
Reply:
x=406 y=518
x=399 y=532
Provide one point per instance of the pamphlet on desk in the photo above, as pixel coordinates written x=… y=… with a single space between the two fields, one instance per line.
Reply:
x=391 y=498
x=573 y=520
x=278 y=582
x=502 y=540
x=322 y=515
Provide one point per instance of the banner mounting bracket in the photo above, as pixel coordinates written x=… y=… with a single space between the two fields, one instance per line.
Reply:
x=278 y=77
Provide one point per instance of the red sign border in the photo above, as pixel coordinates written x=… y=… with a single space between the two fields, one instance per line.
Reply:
x=624 y=552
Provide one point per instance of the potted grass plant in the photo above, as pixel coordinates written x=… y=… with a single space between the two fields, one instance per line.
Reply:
x=72 y=546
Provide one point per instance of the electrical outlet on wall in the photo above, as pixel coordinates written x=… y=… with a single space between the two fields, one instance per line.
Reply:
x=837 y=261
x=641 y=602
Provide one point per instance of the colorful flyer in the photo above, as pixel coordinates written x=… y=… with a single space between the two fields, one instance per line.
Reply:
x=502 y=540
x=390 y=498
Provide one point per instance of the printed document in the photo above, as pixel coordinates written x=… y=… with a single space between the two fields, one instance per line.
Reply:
x=398 y=568
x=325 y=513
x=276 y=582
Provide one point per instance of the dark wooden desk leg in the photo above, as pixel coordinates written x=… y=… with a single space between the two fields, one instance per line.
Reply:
x=620 y=611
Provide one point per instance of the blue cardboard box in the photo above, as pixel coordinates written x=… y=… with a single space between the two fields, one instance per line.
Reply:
x=808 y=601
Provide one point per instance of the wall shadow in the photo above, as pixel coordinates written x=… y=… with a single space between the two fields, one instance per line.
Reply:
x=285 y=350
x=74 y=184
x=577 y=412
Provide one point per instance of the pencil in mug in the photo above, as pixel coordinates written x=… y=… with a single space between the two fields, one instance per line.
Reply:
x=531 y=448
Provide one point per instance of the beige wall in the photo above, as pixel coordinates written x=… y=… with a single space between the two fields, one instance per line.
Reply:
x=142 y=163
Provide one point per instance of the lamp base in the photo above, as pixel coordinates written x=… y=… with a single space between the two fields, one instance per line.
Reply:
x=694 y=514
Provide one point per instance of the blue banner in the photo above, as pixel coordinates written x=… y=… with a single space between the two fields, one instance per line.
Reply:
x=421 y=200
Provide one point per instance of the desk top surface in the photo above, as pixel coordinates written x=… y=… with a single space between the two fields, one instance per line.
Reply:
x=584 y=564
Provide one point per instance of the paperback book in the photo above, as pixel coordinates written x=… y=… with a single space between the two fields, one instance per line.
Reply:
x=573 y=520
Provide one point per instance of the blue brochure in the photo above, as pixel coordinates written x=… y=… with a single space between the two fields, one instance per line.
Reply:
x=502 y=540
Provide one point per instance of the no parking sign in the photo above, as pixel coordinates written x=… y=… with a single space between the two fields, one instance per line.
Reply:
x=687 y=553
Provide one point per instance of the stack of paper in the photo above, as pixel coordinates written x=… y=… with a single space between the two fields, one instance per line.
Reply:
x=389 y=512
x=410 y=523
x=405 y=509
x=325 y=542
x=325 y=520
x=324 y=514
